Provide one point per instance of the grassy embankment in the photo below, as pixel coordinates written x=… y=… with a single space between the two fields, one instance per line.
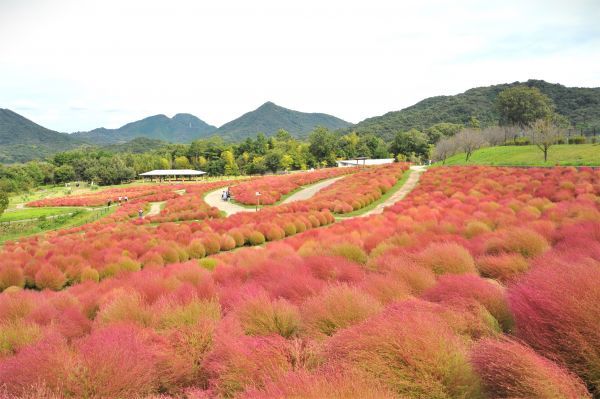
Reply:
x=530 y=155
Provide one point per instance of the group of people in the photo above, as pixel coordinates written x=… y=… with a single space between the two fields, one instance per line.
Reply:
x=226 y=195
x=118 y=201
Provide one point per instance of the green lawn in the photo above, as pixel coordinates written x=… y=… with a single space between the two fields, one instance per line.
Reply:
x=33 y=213
x=530 y=155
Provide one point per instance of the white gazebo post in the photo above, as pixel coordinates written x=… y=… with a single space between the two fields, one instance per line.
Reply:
x=257 y=200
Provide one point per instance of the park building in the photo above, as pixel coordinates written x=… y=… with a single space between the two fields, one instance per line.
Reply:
x=363 y=161
x=175 y=174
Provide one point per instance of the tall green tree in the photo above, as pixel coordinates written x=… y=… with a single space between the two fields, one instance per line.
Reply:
x=3 y=201
x=522 y=106
x=410 y=143
x=323 y=145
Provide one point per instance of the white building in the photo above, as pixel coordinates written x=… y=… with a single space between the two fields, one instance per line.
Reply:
x=164 y=174
x=363 y=162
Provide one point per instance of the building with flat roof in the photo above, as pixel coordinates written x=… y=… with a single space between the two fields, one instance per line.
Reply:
x=174 y=173
x=363 y=162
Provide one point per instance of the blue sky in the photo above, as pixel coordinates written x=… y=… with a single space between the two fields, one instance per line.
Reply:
x=76 y=65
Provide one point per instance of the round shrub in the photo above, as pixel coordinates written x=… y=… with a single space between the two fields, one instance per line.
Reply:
x=211 y=244
x=227 y=242
x=352 y=252
x=518 y=240
x=556 y=310
x=447 y=257
x=11 y=276
x=90 y=274
x=50 y=277
x=503 y=267
x=256 y=238
x=196 y=250
x=410 y=350
x=470 y=286
x=274 y=233
x=261 y=316
x=511 y=370
x=475 y=228
x=337 y=307
x=290 y=229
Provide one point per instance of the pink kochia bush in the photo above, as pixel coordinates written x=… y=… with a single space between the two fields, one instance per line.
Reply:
x=403 y=304
x=511 y=370
x=411 y=350
x=556 y=309
x=272 y=188
x=470 y=286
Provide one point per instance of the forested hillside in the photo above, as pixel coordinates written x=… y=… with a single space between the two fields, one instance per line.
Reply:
x=580 y=105
x=182 y=128
x=269 y=118
x=22 y=140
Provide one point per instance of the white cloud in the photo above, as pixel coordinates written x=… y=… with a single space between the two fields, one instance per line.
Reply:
x=353 y=59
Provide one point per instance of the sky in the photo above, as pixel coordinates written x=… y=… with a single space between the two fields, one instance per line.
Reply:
x=75 y=65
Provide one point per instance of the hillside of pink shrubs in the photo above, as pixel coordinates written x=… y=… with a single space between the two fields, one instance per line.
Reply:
x=482 y=283
x=150 y=193
x=272 y=188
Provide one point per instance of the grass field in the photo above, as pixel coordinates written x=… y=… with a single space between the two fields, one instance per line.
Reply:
x=33 y=213
x=530 y=155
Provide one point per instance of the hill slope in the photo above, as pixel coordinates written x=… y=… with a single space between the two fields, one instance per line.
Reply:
x=580 y=105
x=23 y=140
x=182 y=128
x=530 y=155
x=269 y=118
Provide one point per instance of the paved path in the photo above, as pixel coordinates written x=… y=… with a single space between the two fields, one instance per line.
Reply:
x=213 y=198
x=311 y=190
x=409 y=184
x=155 y=208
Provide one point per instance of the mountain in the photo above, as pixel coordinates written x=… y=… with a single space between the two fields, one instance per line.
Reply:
x=22 y=140
x=182 y=128
x=579 y=105
x=269 y=118
x=138 y=145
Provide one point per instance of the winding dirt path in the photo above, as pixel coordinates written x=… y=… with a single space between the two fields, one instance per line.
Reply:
x=155 y=208
x=407 y=187
x=213 y=198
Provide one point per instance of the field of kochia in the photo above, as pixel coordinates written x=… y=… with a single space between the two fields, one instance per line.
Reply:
x=482 y=283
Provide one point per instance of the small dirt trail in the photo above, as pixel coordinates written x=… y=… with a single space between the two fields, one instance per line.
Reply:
x=213 y=198
x=155 y=208
x=310 y=191
x=407 y=187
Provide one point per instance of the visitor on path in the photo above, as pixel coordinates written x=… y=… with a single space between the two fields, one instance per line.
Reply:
x=141 y=213
x=109 y=202
x=224 y=195
x=120 y=199
x=125 y=199
x=228 y=194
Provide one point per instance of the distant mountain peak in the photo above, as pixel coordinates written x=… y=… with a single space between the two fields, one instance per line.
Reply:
x=181 y=128
x=270 y=117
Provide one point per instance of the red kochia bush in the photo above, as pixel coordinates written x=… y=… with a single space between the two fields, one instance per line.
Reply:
x=557 y=308
x=511 y=370
x=50 y=277
x=447 y=258
x=409 y=349
x=471 y=286
x=237 y=363
x=117 y=361
x=321 y=384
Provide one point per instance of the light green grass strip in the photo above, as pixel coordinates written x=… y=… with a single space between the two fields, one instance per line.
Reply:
x=383 y=198
x=530 y=155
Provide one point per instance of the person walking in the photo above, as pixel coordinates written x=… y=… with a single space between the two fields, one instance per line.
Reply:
x=224 y=195
x=109 y=202
x=140 y=213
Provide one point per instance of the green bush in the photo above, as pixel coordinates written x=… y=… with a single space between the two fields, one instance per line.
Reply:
x=577 y=140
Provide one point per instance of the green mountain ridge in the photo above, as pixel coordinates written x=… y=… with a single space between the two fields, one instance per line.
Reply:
x=182 y=128
x=269 y=118
x=580 y=105
x=22 y=140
